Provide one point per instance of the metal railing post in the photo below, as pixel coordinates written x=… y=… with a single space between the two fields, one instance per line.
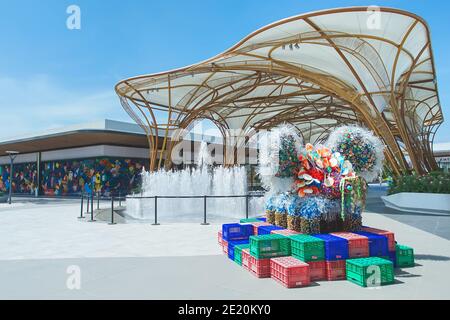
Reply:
x=92 y=207
x=204 y=212
x=82 y=205
x=156 y=212
x=246 y=206
x=112 y=211
x=120 y=199
x=98 y=200
x=87 y=204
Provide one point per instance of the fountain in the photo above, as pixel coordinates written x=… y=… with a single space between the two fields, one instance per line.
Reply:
x=202 y=180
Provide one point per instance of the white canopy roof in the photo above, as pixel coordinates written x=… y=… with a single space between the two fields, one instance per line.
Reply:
x=368 y=65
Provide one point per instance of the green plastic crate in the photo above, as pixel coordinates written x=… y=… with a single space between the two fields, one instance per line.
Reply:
x=359 y=270
x=249 y=220
x=269 y=246
x=238 y=252
x=404 y=256
x=307 y=248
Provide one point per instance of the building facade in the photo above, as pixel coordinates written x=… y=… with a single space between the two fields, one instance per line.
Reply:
x=107 y=155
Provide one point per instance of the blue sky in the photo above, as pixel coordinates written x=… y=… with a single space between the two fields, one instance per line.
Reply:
x=51 y=76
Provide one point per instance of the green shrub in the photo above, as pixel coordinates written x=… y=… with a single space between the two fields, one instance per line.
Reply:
x=433 y=182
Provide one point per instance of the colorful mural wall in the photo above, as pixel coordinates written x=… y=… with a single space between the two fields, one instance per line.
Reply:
x=24 y=180
x=68 y=177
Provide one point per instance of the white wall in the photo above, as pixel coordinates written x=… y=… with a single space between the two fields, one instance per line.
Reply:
x=21 y=158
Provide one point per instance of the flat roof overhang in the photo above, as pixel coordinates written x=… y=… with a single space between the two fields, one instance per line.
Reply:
x=71 y=139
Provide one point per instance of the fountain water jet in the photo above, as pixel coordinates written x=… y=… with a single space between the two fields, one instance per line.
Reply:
x=200 y=181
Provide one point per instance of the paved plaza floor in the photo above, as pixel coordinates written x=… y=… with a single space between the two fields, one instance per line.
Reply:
x=42 y=241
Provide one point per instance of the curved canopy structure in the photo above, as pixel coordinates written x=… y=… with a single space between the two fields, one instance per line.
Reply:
x=372 y=66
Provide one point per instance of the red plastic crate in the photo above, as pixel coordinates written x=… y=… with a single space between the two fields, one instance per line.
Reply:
x=219 y=237
x=285 y=232
x=388 y=234
x=259 y=267
x=290 y=272
x=225 y=246
x=245 y=258
x=258 y=224
x=358 y=245
x=335 y=270
x=317 y=270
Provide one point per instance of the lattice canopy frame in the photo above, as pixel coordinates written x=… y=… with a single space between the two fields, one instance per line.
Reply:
x=315 y=71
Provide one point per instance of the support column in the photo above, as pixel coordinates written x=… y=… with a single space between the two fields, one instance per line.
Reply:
x=38 y=173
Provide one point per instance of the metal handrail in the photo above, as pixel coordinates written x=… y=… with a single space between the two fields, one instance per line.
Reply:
x=90 y=198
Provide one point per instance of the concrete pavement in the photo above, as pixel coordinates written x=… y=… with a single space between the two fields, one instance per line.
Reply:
x=41 y=243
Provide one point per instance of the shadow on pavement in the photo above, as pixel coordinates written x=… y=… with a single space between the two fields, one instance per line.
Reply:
x=431 y=257
x=405 y=274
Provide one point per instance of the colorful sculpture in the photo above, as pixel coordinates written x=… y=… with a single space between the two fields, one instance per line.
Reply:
x=324 y=188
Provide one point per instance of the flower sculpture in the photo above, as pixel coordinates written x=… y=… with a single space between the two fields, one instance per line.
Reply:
x=320 y=171
x=278 y=158
x=361 y=147
x=328 y=186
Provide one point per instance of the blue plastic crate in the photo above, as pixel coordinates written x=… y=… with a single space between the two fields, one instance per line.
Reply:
x=392 y=255
x=336 y=248
x=262 y=219
x=232 y=244
x=236 y=231
x=378 y=245
x=267 y=229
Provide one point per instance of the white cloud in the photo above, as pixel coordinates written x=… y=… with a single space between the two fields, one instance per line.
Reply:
x=39 y=103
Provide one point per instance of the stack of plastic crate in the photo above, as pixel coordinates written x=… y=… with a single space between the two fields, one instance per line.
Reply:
x=390 y=239
x=235 y=234
x=225 y=246
x=296 y=259
x=311 y=250
x=358 y=245
x=388 y=234
x=336 y=252
x=404 y=256
x=238 y=252
x=259 y=267
x=372 y=271
x=268 y=229
x=264 y=247
x=245 y=258
x=290 y=272
x=236 y=231
x=232 y=246
x=219 y=237
x=378 y=244
x=256 y=225
x=284 y=232
x=249 y=220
